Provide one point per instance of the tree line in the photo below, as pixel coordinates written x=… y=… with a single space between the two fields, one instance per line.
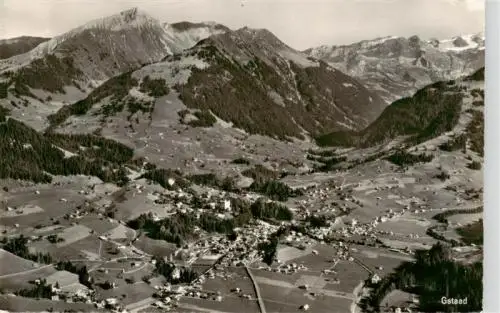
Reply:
x=443 y=217
x=403 y=158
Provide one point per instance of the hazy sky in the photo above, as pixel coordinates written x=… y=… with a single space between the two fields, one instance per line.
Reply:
x=299 y=23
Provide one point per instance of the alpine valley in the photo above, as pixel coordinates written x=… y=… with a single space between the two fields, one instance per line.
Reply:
x=189 y=167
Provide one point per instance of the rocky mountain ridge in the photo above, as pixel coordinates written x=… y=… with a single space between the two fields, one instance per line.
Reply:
x=396 y=67
x=106 y=47
x=250 y=79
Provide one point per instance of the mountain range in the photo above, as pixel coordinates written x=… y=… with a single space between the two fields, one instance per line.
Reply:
x=246 y=77
x=396 y=67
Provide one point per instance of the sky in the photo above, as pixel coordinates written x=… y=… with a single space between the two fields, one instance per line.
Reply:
x=299 y=23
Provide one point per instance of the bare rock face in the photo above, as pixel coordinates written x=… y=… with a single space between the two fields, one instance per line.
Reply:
x=396 y=67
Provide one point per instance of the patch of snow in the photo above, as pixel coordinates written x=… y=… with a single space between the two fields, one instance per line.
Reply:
x=134 y=92
x=67 y=154
x=298 y=58
x=181 y=40
x=222 y=123
x=173 y=71
x=276 y=98
x=377 y=41
x=448 y=44
x=345 y=125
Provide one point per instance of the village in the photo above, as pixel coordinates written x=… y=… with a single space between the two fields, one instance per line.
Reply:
x=342 y=235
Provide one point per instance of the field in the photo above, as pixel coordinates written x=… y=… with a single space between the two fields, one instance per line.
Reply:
x=20 y=304
x=397 y=298
x=227 y=304
x=134 y=292
x=23 y=210
x=283 y=293
x=154 y=247
x=291 y=299
x=73 y=234
x=99 y=225
x=21 y=280
x=374 y=259
x=229 y=279
x=13 y=264
x=287 y=253
x=48 y=203
x=120 y=232
x=463 y=219
x=349 y=274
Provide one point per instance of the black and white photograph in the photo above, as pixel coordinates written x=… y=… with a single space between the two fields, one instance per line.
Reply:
x=243 y=156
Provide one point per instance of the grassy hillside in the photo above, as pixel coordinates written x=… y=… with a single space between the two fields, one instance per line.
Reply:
x=19 y=45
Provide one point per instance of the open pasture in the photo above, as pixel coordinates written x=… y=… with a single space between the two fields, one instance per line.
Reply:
x=464 y=219
x=89 y=248
x=21 y=211
x=135 y=203
x=137 y=272
x=11 y=263
x=288 y=254
x=49 y=203
x=225 y=284
x=100 y=225
x=21 y=280
x=406 y=225
x=64 y=278
x=154 y=247
x=280 y=278
x=397 y=298
x=349 y=275
x=385 y=262
x=21 y=304
x=73 y=234
x=206 y=260
x=120 y=232
x=135 y=292
x=228 y=304
x=291 y=299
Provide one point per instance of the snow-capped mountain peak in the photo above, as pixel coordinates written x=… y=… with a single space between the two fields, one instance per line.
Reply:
x=110 y=45
x=461 y=43
x=396 y=67
x=184 y=35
